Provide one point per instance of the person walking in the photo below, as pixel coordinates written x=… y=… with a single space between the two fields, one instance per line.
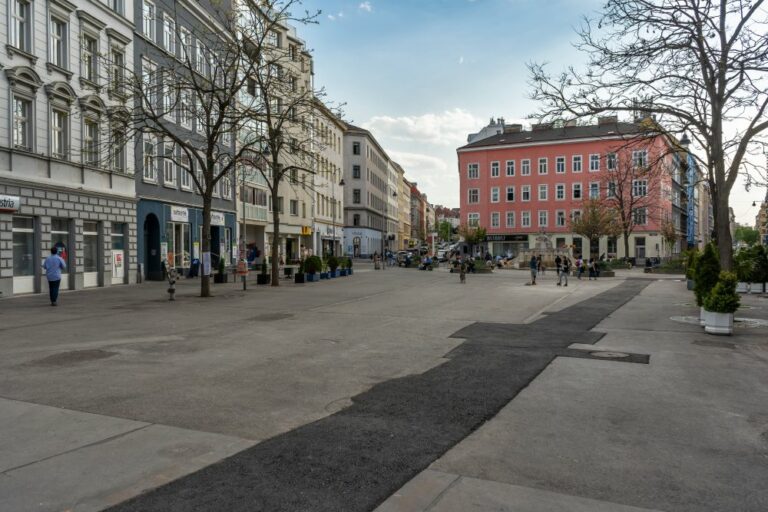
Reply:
x=558 y=262
x=564 y=271
x=579 y=268
x=463 y=272
x=534 y=264
x=592 y=269
x=53 y=266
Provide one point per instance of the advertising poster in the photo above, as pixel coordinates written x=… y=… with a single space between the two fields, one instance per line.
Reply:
x=196 y=250
x=206 y=263
x=164 y=251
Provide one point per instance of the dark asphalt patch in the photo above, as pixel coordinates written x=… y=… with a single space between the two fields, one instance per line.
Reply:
x=72 y=357
x=355 y=459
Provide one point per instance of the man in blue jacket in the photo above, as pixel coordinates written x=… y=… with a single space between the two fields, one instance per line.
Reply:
x=53 y=266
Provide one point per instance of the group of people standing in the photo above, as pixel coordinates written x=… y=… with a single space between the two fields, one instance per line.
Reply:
x=563 y=267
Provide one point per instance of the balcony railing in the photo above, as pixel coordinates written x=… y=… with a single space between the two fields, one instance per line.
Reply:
x=253 y=212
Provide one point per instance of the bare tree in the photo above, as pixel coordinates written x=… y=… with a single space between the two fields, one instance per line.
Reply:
x=220 y=101
x=633 y=186
x=595 y=221
x=697 y=65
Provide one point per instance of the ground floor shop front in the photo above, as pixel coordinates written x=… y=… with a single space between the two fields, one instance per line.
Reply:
x=327 y=239
x=94 y=234
x=363 y=242
x=171 y=236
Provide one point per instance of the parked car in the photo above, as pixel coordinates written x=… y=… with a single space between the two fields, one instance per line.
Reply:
x=442 y=255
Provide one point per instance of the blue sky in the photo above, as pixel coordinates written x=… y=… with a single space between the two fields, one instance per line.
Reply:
x=422 y=74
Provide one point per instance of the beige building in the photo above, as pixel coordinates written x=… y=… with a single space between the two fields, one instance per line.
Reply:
x=403 y=209
x=327 y=182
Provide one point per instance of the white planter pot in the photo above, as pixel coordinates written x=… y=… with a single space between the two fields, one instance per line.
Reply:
x=744 y=288
x=703 y=316
x=719 y=323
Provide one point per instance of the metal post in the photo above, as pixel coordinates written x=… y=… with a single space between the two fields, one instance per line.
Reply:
x=242 y=235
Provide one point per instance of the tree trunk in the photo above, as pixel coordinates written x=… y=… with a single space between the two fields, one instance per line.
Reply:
x=275 y=253
x=625 y=234
x=205 y=280
x=723 y=233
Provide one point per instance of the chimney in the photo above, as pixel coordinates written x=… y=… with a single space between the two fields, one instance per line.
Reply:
x=540 y=127
x=513 y=128
x=602 y=121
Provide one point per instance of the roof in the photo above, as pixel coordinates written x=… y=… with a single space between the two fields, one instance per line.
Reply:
x=608 y=130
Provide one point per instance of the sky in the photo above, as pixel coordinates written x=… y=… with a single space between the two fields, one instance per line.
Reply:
x=423 y=74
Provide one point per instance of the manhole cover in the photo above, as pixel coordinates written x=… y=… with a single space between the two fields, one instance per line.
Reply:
x=609 y=355
x=73 y=357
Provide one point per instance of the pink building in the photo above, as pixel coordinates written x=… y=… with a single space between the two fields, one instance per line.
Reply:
x=525 y=186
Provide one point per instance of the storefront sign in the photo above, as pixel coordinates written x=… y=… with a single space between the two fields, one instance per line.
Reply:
x=506 y=238
x=179 y=214
x=217 y=219
x=9 y=203
x=306 y=230
x=117 y=263
x=196 y=250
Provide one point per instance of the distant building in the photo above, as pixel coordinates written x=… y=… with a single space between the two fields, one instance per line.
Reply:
x=761 y=221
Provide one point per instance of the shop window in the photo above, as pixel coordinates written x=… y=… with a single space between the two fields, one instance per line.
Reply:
x=23 y=229
x=91 y=246
x=60 y=237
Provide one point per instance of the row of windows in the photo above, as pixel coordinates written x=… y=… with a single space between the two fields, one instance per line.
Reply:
x=639 y=189
x=639 y=159
x=639 y=217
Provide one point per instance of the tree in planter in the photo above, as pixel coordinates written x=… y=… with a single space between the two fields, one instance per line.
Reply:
x=313 y=265
x=472 y=235
x=696 y=66
x=333 y=262
x=596 y=220
x=706 y=274
x=723 y=297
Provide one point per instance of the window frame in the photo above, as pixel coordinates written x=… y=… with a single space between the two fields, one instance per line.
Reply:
x=574 y=160
x=495 y=216
x=58 y=44
x=525 y=219
x=512 y=189
x=470 y=192
x=149 y=19
x=574 y=187
x=495 y=169
x=62 y=133
x=525 y=167
x=594 y=185
x=544 y=224
x=525 y=190
x=497 y=192
x=510 y=215
x=28 y=121
x=509 y=168
x=169 y=34
x=543 y=166
x=559 y=187
x=594 y=162
x=473 y=166
x=543 y=187
x=560 y=164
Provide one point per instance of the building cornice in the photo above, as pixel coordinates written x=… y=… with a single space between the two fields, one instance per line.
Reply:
x=544 y=143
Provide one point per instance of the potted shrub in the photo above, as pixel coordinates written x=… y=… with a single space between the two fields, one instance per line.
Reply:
x=263 y=277
x=349 y=266
x=744 y=267
x=721 y=303
x=690 y=266
x=221 y=275
x=298 y=277
x=324 y=269
x=343 y=267
x=333 y=265
x=761 y=268
x=706 y=274
x=312 y=267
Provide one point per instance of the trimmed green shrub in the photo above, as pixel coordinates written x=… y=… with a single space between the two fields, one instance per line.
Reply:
x=706 y=273
x=691 y=257
x=761 y=264
x=313 y=265
x=723 y=297
x=349 y=262
x=333 y=262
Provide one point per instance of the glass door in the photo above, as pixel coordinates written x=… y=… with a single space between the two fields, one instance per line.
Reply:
x=24 y=260
x=90 y=254
x=118 y=253
x=60 y=240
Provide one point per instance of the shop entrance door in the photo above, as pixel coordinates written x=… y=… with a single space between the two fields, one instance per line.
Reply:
x=153 y=270
x=24 y=260
x=118 y=254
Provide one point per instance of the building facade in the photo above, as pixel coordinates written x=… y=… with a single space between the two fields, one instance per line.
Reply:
x=524 y=187
x=328 y=210
x=403 y=209
x=66 y=170
x=169 y=214
x=418 y=216
x=366 y=193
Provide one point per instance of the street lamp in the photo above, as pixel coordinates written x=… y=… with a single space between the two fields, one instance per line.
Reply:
x=335 y=212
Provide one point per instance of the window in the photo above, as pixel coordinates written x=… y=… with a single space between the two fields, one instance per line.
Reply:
x=169 y=166
x=168 y=96
x=22 y=123
x=473 y=219
x=510 y=167
x=560 y=218
x=510 y=219
x=117 y=74
x=24 y=257
x=510 y=194
x=576 y=214
x=543 y=192
x=169 y=34
x=185 y=41
x=639 y=188
x=560 y=192
x=185 y=109
x=149 y=84
x=494 y=169
x=21 y=25
x=640 y=158
x=594 y=163
x=294 y=207
x=356 y=219
x=59 y=133
x=611 y=189
x=199 y=56
x=90 y=142
x=355 y=148
x=58 y=49
x=148 y=13
x=356 y=196
x=186 y=172
x=639 y=216
x=116 y=5
x=610 y=161
x=89 y=59
x=525 y=220
x=91 y=246
x=118 y=147
x=60 y=237
x=473 y=171
x=525 y=168
x=495 y=220
x=495 y=195
x=543 y=218
x=576 y=191
x=560 y=165
x=576 y=163
x=526 y=190
x=473 y=195
x=543 y=165
x=356 y=172
x=150 y=172
x=594 y=190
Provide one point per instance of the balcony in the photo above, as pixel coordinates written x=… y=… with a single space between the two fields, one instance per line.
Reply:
x=253 y=212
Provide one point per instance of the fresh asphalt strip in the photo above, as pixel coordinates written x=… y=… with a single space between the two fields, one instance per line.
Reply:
x=355 y=459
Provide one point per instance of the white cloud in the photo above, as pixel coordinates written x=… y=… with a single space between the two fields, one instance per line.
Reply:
x=461 y=60
x=332 y=17
x=432 y=174
x=449 y=128
x=366 y=6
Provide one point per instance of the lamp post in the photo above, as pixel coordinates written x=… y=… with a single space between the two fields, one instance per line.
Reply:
x=335 y=208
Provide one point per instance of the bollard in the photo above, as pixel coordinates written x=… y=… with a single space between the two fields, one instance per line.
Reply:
x=172 y=284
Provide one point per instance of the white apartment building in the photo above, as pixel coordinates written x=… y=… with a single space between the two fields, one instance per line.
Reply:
x=328 y=205
x=66 y=171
